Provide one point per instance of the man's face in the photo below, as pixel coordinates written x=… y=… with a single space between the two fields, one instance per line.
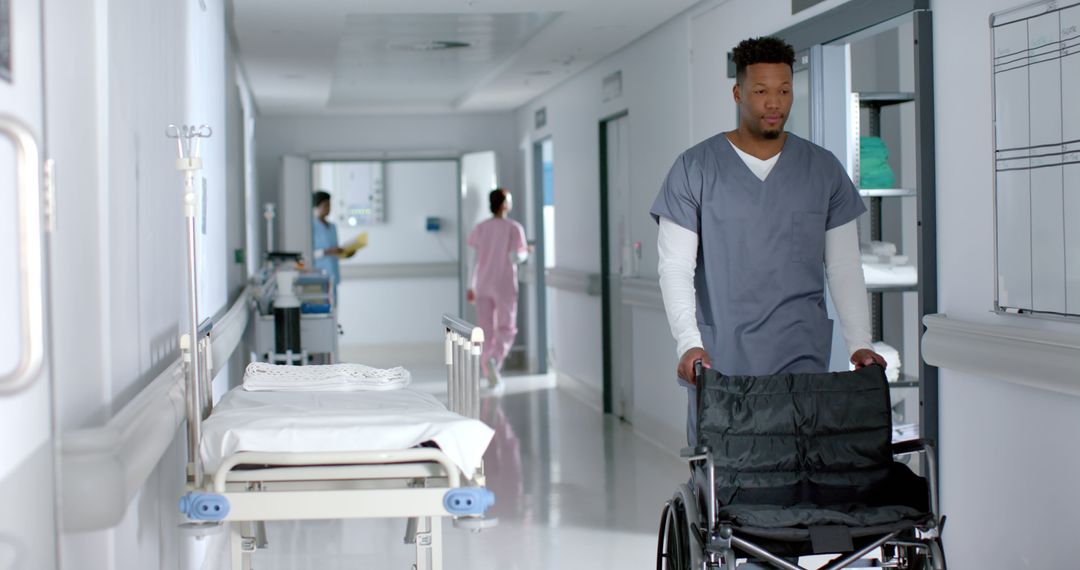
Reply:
x=764 y=98
x=323 y=209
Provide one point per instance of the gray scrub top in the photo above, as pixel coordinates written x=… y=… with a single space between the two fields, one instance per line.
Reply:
x=760 y=278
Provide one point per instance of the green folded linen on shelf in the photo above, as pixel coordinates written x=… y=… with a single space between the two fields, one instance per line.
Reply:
x=874 y=170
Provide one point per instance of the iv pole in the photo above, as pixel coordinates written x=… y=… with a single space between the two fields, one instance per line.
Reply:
x=187 y=145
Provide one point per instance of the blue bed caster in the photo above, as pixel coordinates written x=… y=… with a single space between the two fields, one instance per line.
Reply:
x=204 y=506
x=468 y=501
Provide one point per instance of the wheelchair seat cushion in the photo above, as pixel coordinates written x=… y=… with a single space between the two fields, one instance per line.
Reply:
x=803 y=450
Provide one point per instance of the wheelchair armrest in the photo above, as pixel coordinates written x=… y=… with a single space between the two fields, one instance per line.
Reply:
x=927 y=446
x=694 y=453
x=912 y=446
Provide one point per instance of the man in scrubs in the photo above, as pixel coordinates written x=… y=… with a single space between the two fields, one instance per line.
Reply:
x=500 y=247
x=752 y=222
x=324 y=240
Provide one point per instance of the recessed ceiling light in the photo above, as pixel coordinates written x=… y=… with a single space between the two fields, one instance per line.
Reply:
x=433 y=45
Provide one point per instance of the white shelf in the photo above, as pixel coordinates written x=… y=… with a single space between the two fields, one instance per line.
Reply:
x=884 y=98
x=887 y=192
x=871 y=288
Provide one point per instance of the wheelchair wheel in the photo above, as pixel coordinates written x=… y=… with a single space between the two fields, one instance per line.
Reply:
x=923 y=560
x=936 y=560
x=676 y=549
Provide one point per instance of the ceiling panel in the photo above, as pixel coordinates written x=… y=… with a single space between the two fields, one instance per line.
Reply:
x=381 y=56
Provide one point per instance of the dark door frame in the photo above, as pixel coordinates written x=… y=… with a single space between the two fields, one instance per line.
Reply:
x=540 y=255
x=605 y=264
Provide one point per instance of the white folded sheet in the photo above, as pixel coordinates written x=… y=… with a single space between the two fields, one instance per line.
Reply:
x=340 y=421
x=345 y=377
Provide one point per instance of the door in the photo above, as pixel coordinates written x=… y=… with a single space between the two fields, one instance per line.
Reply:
x=27 y=474
x=479 y=176
x=294 y=206
x=619 y=261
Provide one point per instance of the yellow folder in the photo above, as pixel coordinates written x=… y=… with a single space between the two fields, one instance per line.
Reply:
x=350 y=249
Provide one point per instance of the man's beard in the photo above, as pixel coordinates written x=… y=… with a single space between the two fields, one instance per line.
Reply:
x=772 y=135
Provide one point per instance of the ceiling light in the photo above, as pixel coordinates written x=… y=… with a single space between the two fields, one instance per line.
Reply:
x=433 y=45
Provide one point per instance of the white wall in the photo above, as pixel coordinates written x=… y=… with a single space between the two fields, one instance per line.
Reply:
x=677 y=93
x=118 y=72
x=1005 y=448
x=380 y=311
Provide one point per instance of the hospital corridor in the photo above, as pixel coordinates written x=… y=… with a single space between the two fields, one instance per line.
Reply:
x=539 y=284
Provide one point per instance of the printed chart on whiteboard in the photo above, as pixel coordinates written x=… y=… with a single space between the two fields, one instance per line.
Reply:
x=1036 y=81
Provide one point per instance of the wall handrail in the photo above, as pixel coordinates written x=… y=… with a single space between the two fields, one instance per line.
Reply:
x=103 y=468
x=1028 y=357
x=31 y=259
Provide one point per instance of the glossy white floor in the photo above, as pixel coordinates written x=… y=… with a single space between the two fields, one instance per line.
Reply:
x=575 y=490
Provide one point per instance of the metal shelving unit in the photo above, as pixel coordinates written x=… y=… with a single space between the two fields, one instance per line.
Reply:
x=873 y=102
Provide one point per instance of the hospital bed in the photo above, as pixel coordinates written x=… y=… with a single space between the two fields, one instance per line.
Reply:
x=271 y=456
x=306 y=456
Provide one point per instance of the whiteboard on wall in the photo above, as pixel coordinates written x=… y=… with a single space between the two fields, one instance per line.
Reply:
x=1036 y=93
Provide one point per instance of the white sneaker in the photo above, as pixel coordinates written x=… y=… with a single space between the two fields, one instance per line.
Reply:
x=494 y=378
x=496 y=386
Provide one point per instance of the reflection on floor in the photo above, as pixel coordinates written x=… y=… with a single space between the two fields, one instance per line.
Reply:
x=574 y=490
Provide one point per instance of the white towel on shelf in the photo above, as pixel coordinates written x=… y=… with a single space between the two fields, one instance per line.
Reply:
x=885 y=248
x=261 y=376
x=884 y=274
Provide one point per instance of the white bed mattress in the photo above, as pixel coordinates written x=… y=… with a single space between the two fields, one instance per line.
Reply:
x=339 y=421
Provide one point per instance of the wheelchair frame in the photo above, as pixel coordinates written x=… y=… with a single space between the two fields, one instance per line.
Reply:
x=708 y=543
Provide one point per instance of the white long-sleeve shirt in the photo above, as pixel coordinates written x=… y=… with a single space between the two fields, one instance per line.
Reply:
x=678 y=247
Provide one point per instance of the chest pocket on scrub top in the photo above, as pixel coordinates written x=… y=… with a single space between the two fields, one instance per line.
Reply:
x=808 y=237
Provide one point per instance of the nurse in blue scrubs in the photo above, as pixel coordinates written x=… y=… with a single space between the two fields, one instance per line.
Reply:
x=324 y=240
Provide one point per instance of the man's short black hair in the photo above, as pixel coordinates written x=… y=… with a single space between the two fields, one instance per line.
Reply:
x=320 y=197
x=765 y=49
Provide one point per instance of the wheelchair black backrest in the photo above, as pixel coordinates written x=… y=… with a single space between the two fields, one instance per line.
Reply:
x=797 y=439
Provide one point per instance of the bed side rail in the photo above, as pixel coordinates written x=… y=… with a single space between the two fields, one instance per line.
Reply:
x=463 y=342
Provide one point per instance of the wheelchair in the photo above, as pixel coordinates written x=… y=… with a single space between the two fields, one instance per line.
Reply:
x=798 y=465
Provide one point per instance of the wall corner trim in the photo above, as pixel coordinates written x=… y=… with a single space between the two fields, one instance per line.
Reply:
x=580 y=390
x=1034 y=358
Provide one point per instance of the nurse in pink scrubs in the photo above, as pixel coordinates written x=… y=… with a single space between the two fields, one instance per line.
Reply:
x=500 y=247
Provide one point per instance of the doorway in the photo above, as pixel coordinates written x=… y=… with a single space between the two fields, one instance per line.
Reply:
x=618 y=260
